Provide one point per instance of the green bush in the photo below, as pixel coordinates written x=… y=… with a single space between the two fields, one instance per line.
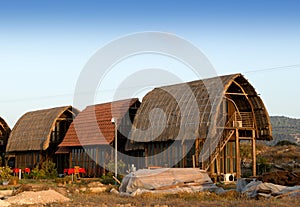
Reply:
x=107 y=179
x=47 y=171
x=285 y=142
x=5 y=173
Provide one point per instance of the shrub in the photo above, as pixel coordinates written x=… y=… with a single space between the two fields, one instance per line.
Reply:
x=285 y=142
x=47 y=171
x=5 y=173
x=107 y=179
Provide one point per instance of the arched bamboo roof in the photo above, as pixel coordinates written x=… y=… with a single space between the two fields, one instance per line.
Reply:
x=4 y=129
x=208 y=95
x=33 y=129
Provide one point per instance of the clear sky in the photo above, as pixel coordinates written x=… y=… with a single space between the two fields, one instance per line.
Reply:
x=45 y=44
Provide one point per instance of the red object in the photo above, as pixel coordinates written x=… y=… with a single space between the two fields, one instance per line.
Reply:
x=27 y=170
x=82 y=170
x=71 y=171
x=16 y=170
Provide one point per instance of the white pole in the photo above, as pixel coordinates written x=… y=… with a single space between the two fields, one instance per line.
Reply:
x=20 y=174
x=116 y=148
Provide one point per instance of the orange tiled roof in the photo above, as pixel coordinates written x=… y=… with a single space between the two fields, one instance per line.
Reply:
x=93 y=125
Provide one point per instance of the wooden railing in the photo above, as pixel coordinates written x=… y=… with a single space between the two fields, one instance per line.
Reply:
x=241 y=120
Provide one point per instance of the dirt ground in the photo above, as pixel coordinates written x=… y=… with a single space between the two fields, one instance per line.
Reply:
x=79 y=196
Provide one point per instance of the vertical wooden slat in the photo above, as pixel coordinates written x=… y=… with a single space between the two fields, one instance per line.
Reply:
x=218 y=164
x=71 y=158
x=225 y=159
x=184 y=160
x=146 y=156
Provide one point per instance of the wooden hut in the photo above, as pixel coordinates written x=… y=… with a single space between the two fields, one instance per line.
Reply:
x=230 y=111
x=36 y=135
x=4 y=133
x=90 y=140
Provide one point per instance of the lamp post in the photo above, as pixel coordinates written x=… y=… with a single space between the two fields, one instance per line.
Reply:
x=114 y=121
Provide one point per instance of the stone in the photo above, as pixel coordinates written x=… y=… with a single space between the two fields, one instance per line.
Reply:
x=97 y=189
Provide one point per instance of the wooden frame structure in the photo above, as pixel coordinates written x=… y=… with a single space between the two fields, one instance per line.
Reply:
x=4 y=134
x=229 y=109
x=89 y=142
x=36 y=135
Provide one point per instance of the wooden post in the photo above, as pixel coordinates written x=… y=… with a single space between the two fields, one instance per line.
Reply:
x=70 y=159
x=197 y=152
x=218 y=164
x=97 y=163
x=237 y=154
x=183 y=155
x=253 y=154
x=146 y=156
x=194 y=162
x=212 y=168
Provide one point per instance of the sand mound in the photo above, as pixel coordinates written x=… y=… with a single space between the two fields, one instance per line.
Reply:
x=40 y=197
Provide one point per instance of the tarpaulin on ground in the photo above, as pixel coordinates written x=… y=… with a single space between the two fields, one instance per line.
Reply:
x=167 y=180
x=259 y=188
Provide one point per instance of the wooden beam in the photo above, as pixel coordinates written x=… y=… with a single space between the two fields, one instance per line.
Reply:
x=64 y=119
x=238 y=94
x=237 y=154
x=252 y=107
x=253 y=154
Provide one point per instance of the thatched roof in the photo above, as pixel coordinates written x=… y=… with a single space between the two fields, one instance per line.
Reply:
x=208 y=95
x=93 y=125
x=33 y=129
x=4 y=129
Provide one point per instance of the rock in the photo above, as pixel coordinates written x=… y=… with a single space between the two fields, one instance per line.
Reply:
x=95 y=184
x=97 y=189
x=82 y=189
x=5 y=193
x=114 y=191
x=60 y=185
x=4 y=203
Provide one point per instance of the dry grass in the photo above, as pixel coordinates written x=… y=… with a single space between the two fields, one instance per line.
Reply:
x=229 y=198
x=197 y=199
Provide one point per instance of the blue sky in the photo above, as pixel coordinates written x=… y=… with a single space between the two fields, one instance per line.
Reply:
x=45 y=44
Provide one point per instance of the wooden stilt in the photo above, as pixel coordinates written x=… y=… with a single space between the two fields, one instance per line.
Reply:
x=218 y=165
x=253 y=154
x=237 y=154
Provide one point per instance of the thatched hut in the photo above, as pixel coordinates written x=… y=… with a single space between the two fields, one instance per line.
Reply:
x=226 y=110
x=90 y=140
x=4 y=133
x=36 y=135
